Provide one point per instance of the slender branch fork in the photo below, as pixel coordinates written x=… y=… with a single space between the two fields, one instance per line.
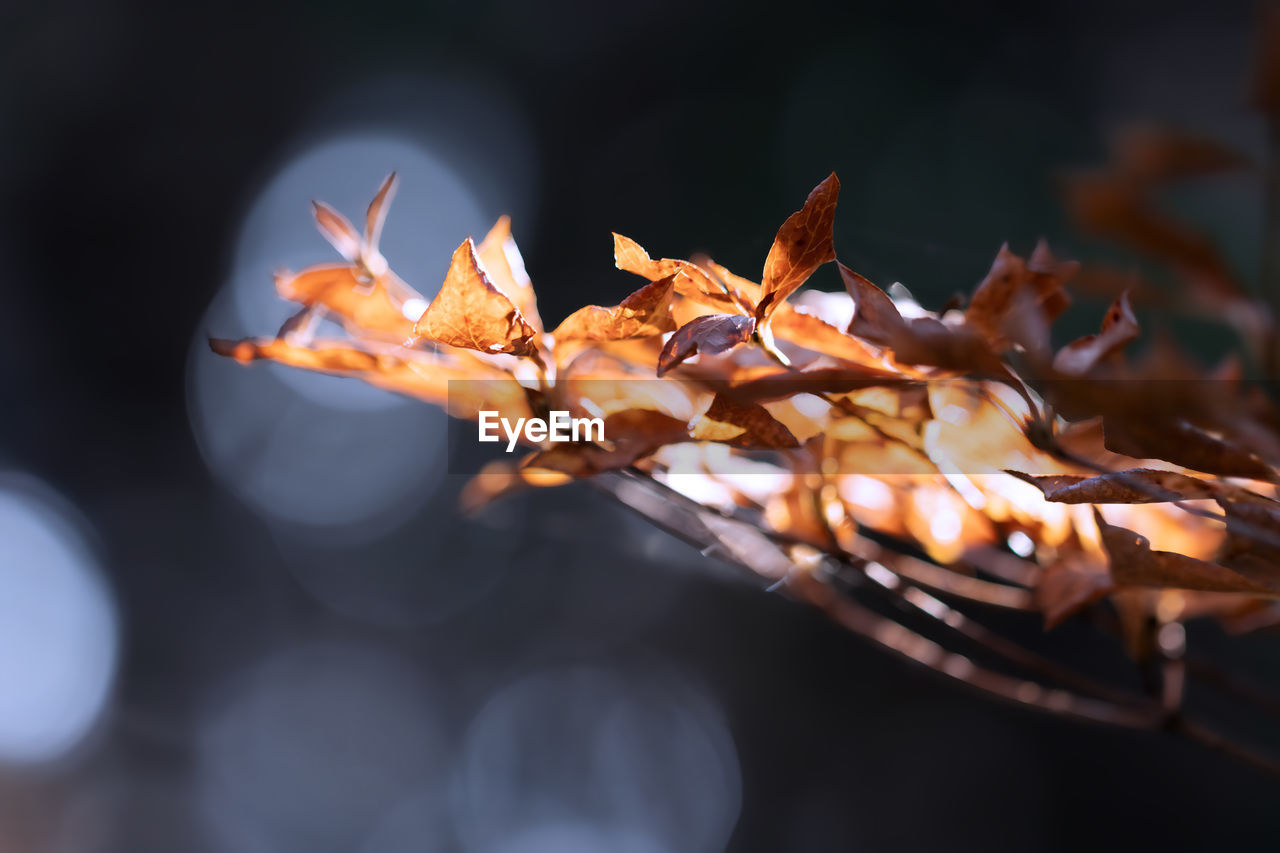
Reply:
x=839 y=580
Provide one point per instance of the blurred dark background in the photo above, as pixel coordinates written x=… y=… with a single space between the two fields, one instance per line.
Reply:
x=238 y=608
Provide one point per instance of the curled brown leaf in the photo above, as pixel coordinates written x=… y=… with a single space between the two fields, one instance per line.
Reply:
x=712 y=334
x=696 y=284
x=362 y=306
x=1134 y=563
x=501 y=259
x=741 y=424
x=804 y=243
x=1136 y=486
x=1067 y=587
x=1119 y=329
x=632 y=435
x=471 y=313
x=644 y=313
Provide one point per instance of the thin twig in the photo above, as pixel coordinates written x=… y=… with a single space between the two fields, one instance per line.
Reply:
x=693 y=523
x=913 y=598
x=1233 y=686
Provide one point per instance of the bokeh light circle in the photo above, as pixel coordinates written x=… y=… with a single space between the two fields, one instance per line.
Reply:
x=59 y=631
x=643 y=755
x=312 y=744
x=300 y=448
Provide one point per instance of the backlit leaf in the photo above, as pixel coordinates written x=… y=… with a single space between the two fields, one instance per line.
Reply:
x=804 y=243
x=470 y=312
x=741 y=424
x=645 y=312
x=1137 y=486
x=710 y=335
x=501 y=260
x=1134 y=563
x=1119 y=329
x=361 y=306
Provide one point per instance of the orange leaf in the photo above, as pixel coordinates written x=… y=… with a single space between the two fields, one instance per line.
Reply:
x=376 y=215
x=1065 y=588
x=501 y=259
x=1134 y=563
x=470 y=312
x=875 y=317
x=1253 y=537
x=1119 y=328
x=804 y=243
x=697 y=285
x=1138 y=486
x=1177 y=441
x=463 y=390
x=338 y=230
x=777 y=383
x=631 y=435
x=1013 y=285
x=729 y=421
x=645 y=312
x=918 y=341
x=364 y=307
x=814 y=333
x=361 y=250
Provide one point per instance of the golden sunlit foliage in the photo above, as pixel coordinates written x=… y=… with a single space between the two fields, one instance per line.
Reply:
x=958 y=452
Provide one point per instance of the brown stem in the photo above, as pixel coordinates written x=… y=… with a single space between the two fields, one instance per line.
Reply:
x=896 y=638
x=703 y=528
x=1208 y=737
x=1233 y=686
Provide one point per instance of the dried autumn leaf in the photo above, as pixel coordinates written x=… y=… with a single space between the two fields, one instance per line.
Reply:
x=405 y=372
x=1253 y=537
x=501 y=259
x=745 y=292
x=928 y=341
x=1119 y=329
x=741 y=424
x=1013 y=283
x=882 y=409
x=364 y=308
x=338 y=230
x=632 y=435
x=470 y=312
x=920 y=340
x=645 y=312
x=803 y=243
x=598 y=394
x=712 y=334
x=376 y=216
x=1136 y=486
x=1182 y=443
x=1134 y=563
x=813 y=333
x=875 y=317
x=797 y=327
x=697 y=285
x=360 y=250
x=774 y=383
x=1067 y=587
